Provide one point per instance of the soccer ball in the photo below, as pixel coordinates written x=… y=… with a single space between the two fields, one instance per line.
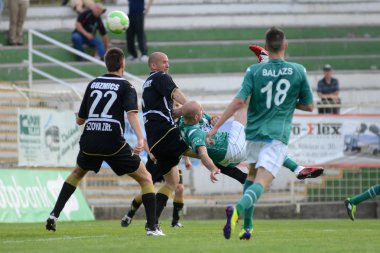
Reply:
x=117 y=22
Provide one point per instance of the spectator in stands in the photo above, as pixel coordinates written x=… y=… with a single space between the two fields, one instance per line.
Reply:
x=79 y=5
x=328 y=91
x=137 y=13
x=87 y=24
x=17 y=14
x=1 y=8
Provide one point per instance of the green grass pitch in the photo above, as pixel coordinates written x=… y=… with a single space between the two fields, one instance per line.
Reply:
x=274 y=236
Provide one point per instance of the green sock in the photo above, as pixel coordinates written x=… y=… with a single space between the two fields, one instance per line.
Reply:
x=371 y=193
x=250 y=196
x=290 y=164
x=248 y=213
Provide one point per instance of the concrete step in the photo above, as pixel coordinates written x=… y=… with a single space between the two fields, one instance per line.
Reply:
x=8 y=144
x=8 y=153
x=8 y=126
x=8 y=135
x=5 y=117
x=221 y=14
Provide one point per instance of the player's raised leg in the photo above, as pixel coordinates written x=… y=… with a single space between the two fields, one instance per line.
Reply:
x=68 y=188
x=351 y=203
x=300 y=171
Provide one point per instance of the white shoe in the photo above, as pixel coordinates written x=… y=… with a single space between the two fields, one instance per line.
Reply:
x=144 y=58
x=159 y=231
x=131 y=58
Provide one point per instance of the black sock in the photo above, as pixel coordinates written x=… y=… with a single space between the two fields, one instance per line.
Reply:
x=134 y=207
x=161 y=200
x=66 y=192
x=177 y=207
x=149 y=201
x=234 y=172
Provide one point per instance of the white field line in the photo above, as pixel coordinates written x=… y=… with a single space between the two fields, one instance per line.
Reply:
x=62 y=238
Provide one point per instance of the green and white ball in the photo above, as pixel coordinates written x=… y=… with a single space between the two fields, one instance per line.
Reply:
x=117 y=22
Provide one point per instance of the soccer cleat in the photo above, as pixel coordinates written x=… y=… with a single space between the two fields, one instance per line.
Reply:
x=154 y=232
x=159 y=231
x=51 y=223
x=245 y=234
x=232 y=218
x=177 y=225
x=261 y=53
x=351 y=209
x=126 y=221
x=310 y=172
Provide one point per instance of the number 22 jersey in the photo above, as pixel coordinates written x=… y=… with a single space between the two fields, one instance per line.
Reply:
x=103 y=105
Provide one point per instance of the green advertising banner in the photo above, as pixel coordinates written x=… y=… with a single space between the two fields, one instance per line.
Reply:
x=30 y=195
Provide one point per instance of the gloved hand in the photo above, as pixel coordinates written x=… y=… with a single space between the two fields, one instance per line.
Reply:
x=261 y=53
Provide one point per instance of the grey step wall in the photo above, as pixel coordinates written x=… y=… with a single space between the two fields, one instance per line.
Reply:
x=191 y=14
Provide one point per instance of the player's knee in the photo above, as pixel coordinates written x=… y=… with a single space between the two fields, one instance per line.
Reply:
x=76 y=176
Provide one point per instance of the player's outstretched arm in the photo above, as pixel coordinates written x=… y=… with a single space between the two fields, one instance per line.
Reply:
x=133 y=119
x=179 y=96
x=206 y=160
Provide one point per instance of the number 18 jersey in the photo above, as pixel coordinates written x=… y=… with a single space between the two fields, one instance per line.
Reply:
x=275 y=88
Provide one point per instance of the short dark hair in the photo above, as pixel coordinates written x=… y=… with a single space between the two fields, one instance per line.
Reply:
x=114 y=59
x=274 y=39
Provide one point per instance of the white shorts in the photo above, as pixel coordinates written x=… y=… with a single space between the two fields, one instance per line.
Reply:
x=269 y=155
x=236 y=145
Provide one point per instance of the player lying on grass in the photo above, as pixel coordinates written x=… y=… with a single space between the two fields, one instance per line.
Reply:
x=352 y=202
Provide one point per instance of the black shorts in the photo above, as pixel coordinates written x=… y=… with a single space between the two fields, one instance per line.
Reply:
x=156 y=172
x=168 y=151
x=123 y=162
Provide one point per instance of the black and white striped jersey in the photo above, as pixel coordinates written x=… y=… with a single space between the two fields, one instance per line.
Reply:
x=106 y=99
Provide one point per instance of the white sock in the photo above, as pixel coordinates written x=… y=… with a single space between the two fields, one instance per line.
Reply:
x=298 y=169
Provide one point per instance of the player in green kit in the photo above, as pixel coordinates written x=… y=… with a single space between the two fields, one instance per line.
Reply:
x=229 y=147
x=273 y=91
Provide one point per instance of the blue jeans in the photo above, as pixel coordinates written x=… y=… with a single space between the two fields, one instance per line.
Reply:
x=79 y=39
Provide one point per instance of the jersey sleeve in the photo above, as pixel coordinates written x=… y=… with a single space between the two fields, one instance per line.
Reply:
x=305 y=96
x=83 y=109
x=319 y=86
x=246 y=89
x=207 y=116
x=130 y=98
x=196 y=139
x=81 y=16
x=165 y=85
x=102 y=29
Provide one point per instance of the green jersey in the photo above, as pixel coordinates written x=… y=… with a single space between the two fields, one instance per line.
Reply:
x=195 y=138
x=275 y=88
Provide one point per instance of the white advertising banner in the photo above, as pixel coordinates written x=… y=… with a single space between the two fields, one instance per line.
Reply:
x=342 y=140
x=47 y=138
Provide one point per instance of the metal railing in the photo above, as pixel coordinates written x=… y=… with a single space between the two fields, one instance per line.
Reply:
x=33 y=69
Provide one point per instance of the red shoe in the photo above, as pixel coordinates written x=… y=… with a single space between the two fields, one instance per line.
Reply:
x=261 y=53
x=310 y=172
